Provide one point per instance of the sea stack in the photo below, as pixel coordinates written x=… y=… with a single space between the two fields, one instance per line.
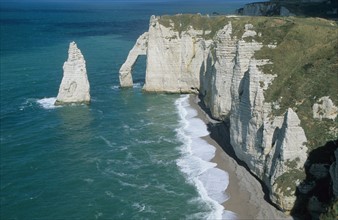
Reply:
x=74 y=87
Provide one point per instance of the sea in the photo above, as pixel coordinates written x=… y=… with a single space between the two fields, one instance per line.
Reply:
x=127 y=155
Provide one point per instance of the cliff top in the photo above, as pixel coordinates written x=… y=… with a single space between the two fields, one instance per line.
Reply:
x=211 y=24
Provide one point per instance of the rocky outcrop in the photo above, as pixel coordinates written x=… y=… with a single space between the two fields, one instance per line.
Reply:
x=324 y=108
x=74 y=87
x=291 y=148
x=140 y=48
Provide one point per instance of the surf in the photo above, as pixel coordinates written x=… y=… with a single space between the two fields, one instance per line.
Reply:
x=195 y=161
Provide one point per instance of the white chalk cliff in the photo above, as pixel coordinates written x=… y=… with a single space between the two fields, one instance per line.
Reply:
x=224 y=72
x=140 y=48
x=74 y=87
x=186 y=52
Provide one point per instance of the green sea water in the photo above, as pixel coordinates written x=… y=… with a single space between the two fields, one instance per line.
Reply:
x=114 y=159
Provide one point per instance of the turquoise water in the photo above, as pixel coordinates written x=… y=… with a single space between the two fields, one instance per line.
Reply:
x=118 y=158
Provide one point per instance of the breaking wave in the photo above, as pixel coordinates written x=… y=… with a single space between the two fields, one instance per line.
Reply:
x=47 y=103
x=210 y=181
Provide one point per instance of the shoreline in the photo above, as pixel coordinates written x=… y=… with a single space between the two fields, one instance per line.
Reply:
x=246 y=196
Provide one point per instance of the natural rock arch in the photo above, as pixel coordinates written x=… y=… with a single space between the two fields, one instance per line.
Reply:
x=140 y=48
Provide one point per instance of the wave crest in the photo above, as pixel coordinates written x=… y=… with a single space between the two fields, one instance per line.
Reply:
x=47 y=103
x=211 y=182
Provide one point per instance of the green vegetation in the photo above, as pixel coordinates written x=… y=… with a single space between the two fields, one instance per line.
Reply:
x=306 y=64
x=287 y=181
x=309 y=9
x=292 y=164
x=332 y=212
x=273 y=28
x=302 y=8
x=207 y=24
x=287 y=184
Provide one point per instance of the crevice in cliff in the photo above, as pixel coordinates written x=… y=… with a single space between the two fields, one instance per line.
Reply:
x=220 y=132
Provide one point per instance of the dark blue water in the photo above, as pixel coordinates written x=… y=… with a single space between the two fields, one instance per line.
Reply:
x=115 y=159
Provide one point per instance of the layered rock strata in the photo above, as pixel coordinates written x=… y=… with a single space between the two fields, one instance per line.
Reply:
x=74 y=87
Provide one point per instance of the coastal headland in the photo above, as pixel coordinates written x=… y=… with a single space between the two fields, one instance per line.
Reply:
x=272 y=81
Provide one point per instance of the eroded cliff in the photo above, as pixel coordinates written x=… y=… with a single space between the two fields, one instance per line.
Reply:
x=259 y=74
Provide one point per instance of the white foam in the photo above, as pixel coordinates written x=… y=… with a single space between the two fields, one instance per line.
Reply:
x=193 y=166
x=132 y=185
x=229 y=215
x=110 y=194
x=197 y=153
x=196 y=128
x=202 y=149
x=110 y=144
x=115 y=87
x=140 y=207
x=89 y=180
x=47 y=103
x=191 y=112
x=137 y=85
x=215 y=181
x=27 y=103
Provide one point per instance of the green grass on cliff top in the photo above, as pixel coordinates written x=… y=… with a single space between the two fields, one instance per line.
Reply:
x=305 y=61
x=306 y=64
x=182 y=22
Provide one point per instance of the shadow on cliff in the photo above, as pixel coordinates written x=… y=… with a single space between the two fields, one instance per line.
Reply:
x=315 y=193
x=324 y=9
x=220 y=132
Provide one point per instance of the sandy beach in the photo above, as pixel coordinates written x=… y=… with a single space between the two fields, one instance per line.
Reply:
x=245 y=192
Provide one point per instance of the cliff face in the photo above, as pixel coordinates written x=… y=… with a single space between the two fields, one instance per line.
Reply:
x=186 y=51
x=218 y=59
x=74 y=87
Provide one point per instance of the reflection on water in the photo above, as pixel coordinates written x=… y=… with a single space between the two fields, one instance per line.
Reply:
x=76 y=121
